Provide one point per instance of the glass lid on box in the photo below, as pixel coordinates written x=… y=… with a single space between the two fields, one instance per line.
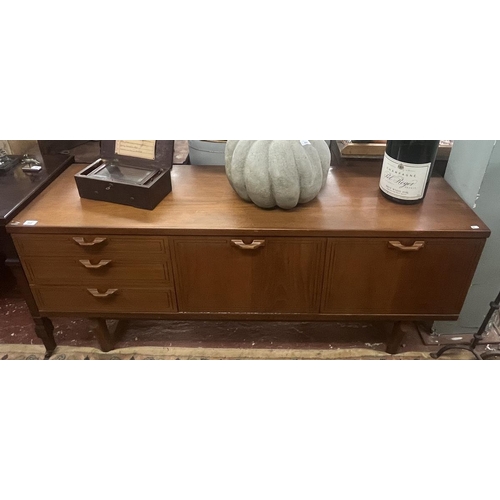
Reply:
x=115 y=171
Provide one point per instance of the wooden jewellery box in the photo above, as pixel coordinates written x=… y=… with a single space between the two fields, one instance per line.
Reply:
x=135 y=173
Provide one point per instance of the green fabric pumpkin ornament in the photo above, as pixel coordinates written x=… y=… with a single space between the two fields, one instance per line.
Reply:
x=277 y=173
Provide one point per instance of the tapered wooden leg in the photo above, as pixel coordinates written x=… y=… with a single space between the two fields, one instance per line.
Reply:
x=44 y=330
x=396 y=337
x=104 y=336
x=107 y=333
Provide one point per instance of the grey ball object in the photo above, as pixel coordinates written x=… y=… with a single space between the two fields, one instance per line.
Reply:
x=277 y=173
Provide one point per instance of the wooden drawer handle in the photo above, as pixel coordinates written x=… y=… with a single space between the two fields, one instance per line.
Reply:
x=250 y=246
x=412 y=248
x=95 y=292
x=83 y=243
x=89 y=265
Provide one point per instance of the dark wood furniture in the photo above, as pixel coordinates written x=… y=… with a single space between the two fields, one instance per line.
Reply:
x=17 y=189
x=203 y=253
x=120 y=182
x=55 y=147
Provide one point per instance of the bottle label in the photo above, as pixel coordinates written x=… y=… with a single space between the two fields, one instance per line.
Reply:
x=403 y=180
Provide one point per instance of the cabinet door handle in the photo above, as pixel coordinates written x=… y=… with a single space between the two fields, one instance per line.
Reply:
x=89 y=265
x=95 y=292
x=83 y=243
x=250 y=246
x=411 y=248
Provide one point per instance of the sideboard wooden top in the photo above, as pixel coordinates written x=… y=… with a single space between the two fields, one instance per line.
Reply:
x=203 y=202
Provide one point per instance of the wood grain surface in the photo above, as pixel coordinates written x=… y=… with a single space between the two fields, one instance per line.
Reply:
x=204 y=253
x=202 y=202
x=369 y=275
x=126 y=300
x=283 y=275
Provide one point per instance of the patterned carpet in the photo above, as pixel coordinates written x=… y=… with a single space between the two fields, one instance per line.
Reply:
x=36 y=352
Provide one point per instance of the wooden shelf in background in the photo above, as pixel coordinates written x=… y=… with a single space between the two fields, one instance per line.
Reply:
x=376 y=149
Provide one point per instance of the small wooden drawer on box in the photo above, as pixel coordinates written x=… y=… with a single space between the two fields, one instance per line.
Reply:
x=81 y=245
x=104 y=300
x=135 y=173
x=92 y=269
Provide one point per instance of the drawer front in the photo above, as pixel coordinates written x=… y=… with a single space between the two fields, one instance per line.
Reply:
x=91 y=270
x=135 y=247
x=88 y=300
x=260 y=275
x=398 y=276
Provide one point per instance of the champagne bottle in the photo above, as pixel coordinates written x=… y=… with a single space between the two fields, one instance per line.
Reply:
x=407 y=169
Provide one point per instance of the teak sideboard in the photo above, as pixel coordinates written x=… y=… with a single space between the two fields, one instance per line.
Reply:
x=204 y=253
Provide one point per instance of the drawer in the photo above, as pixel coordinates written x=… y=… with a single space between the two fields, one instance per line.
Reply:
x=398 y=276
x=249 y=275
x=96 y=300
x=135 y=247
x=94 y=270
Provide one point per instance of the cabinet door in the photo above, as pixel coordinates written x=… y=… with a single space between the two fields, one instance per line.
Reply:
x=398 y=276
x=272 y=275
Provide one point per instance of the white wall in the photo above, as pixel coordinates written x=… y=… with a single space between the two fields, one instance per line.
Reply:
x=474 y=172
